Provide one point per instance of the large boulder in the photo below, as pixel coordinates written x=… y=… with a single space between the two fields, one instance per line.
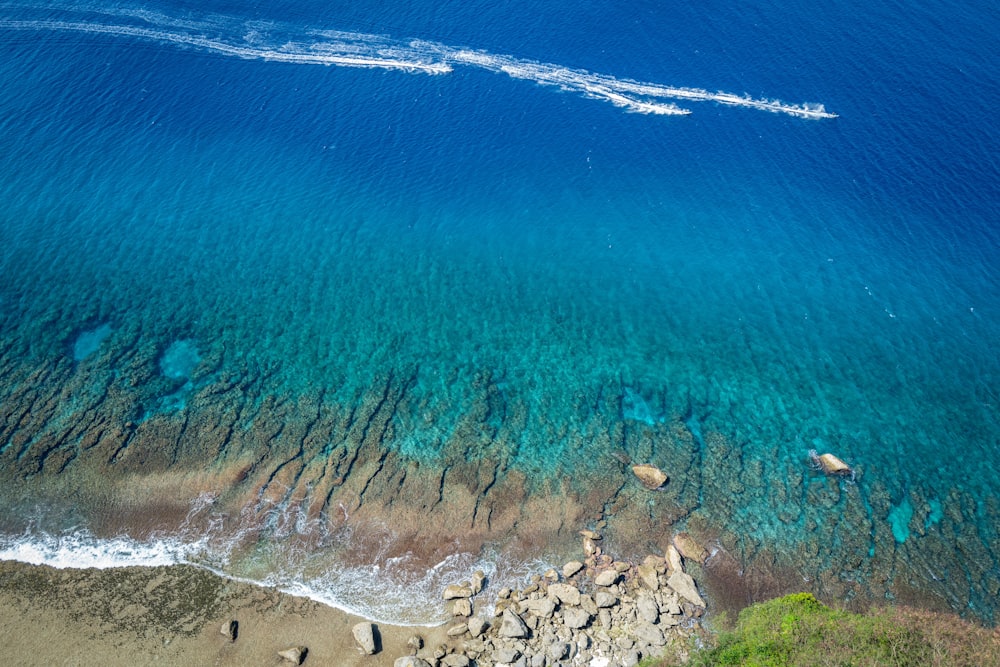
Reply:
x=685 y=587
x=576 y=618
x=511 y=625
x=365 y=636
x=294 y=654
x=410 y=661
x=607 y=578
x=565 y=593
x=455 y=592
x=542 y=607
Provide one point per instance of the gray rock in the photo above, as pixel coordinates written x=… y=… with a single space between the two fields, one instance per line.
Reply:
x=454 y=592
x=458 y=630
x=455 y=660
x=512 y=625
x=565 y=593
x=604 y=599
x=476 y=626
x=230 y=630
x=647 y=575
x=607 y=578
x=506 y=654
x=477 y=581
x=604 y=616
x=462 y=607
x=571 y=568
x=364 y=635
x=557 y=650
x=538 y=660
x=649 y=634
x=587 y=603
x=575 y=618
x=294 y=654
x=543 y=607
x=647 y=608
x=684 y=585
x=410 y=661
x=631 y=659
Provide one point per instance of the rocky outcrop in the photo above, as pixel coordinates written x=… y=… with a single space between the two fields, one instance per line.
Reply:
x=604 y=612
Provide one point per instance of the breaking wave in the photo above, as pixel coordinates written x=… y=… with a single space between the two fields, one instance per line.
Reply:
x=283 y=43
x=275 y=550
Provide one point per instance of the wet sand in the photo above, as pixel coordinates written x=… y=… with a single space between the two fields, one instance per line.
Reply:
x=172 y=616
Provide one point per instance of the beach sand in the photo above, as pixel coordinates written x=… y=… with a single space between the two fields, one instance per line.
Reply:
x=172 y=616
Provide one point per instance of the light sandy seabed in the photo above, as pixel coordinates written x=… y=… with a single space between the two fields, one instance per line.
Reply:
x=171 y=616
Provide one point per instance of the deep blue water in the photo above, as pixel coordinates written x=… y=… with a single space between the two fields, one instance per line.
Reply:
x=795 y=283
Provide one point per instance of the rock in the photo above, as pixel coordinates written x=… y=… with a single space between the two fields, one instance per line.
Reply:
x=454 y=592
x=565 y=593
x=590 y=548
x=476 y=626
x=410 y=661
x=649 y=634
x=571 y=568
x=504 y=593
x=506 y=654
x=478 y=579
x=537 y=660
x=587 y=604
x=673 y=559
x=651 y=477
x=512 y=625
x=830 y=464
x=604 y=599
x=365 y=636
x=604 y=616
x=455 y=660
x=557 y=651
x=462 y=607
x=606 y=578
x=543 y=607
x=689 y=548
x=648 y=608
x=458 y=630
x=685 y=587
x=415 y=642
x=590 y=535
x=647 y=575
x=576 y=618
x=631 y=659
x=294 y=654
x=621 y=567
x=230 y=629
x=550 y=575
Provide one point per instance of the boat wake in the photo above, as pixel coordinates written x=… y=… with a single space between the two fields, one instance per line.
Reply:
x=283 y=43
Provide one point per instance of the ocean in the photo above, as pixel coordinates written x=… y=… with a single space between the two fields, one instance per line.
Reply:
x=356 y=299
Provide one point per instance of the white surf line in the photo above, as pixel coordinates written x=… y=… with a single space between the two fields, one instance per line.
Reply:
x=345 y=49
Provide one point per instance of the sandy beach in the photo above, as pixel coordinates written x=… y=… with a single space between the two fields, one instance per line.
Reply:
x=172 y=616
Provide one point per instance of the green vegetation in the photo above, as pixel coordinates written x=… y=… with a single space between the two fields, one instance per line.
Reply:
x=799 y=631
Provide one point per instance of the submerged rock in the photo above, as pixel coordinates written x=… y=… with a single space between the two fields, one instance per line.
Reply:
x=651 y=477
x=689 y=548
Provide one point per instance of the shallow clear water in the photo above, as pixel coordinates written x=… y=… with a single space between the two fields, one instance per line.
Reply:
x=230 y=257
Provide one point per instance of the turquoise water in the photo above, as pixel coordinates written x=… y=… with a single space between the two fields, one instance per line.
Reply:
x=217 y=256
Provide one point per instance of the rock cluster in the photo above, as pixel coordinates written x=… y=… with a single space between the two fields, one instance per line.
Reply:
x=597 y=613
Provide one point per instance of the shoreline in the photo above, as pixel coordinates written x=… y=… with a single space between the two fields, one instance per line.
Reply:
x=598 y=612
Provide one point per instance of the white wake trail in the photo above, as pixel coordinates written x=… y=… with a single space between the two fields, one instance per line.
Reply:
x=348 y=49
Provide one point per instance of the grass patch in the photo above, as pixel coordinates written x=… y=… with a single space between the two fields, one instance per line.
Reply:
x=799 y=631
